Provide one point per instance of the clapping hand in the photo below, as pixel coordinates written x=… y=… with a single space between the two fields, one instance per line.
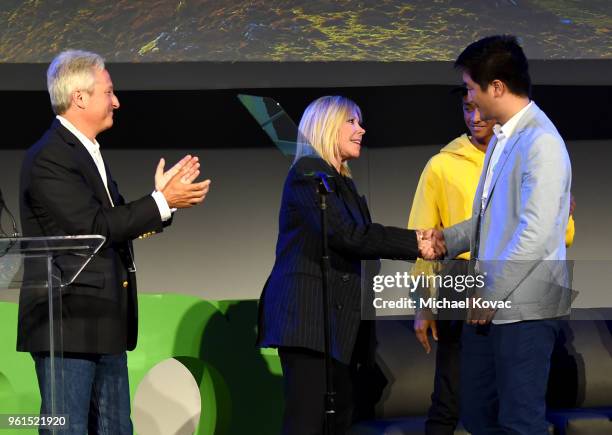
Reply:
x=431 y=244
x=177 y=184
x=189 y=164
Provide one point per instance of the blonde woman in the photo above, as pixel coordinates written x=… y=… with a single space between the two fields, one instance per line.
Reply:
x=291 y=314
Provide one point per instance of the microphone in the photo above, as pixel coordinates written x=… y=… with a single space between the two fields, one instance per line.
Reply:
x=8 y=212
x=323 y=178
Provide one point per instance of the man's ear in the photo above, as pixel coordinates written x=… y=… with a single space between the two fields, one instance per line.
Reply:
x=80 y=98
x=498 y=87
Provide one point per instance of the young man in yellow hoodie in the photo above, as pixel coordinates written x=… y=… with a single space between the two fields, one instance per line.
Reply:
x=443 y=198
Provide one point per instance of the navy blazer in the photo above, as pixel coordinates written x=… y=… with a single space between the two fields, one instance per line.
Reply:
x=291 y=311
x=62 y=193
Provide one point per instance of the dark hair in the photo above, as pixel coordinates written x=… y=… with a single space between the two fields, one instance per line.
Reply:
x=497 y=57
x=459 y=90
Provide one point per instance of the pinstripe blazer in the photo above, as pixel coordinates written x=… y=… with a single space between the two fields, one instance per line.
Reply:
x=291 y=311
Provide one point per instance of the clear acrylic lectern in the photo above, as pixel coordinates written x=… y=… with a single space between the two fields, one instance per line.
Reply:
x=40 y=268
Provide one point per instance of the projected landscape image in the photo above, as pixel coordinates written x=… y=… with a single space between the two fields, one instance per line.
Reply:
x=299 y=30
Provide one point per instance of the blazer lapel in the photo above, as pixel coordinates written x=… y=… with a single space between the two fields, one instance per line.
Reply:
x=477 y=204
x=510 y=145
x=503 y=158
x=365 y=211
x=351 y=199
x=479 y=190
x=362 y=204
x=112 y=187
x=90 y=170
x=343 y=190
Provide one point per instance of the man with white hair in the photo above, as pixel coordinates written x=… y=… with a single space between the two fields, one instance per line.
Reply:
x=66 y=189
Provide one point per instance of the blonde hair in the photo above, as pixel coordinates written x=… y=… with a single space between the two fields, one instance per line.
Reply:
x=319 y=129
x=70 y=71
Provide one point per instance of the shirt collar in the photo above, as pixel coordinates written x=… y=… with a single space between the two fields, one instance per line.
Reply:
x=89 y=145
x=498 y=132
x=506 y=130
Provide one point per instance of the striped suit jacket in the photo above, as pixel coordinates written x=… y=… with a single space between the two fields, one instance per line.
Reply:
x=291 y=312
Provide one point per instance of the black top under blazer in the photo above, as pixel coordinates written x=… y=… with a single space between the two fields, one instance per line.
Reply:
x=291 y=311
x=62 y=193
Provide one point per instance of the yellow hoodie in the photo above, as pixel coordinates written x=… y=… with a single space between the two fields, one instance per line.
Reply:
x=447 y=187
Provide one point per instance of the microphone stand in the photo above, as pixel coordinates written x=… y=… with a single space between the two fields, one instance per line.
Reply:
x=13 y=222
x=2 y=232
x=330 y=395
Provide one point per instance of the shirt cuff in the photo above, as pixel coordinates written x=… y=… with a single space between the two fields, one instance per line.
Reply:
x=164 y=210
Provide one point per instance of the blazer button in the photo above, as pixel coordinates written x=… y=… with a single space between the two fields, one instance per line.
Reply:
x=345 y=277
x=338 y=306
x=125 y=284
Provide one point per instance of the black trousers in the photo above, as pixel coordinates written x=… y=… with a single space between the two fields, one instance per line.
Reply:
x=443 y=414
x=444 y=411
x=304 y=387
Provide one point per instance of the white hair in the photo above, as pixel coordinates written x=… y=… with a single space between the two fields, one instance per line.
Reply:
x=70 y=71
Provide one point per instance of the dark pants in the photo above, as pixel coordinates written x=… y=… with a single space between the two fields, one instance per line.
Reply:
x=95 y=393
x=304 y=385
x=504 y=375
x=443 y=414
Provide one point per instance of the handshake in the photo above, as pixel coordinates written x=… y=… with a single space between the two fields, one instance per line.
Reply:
x=431 y=244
